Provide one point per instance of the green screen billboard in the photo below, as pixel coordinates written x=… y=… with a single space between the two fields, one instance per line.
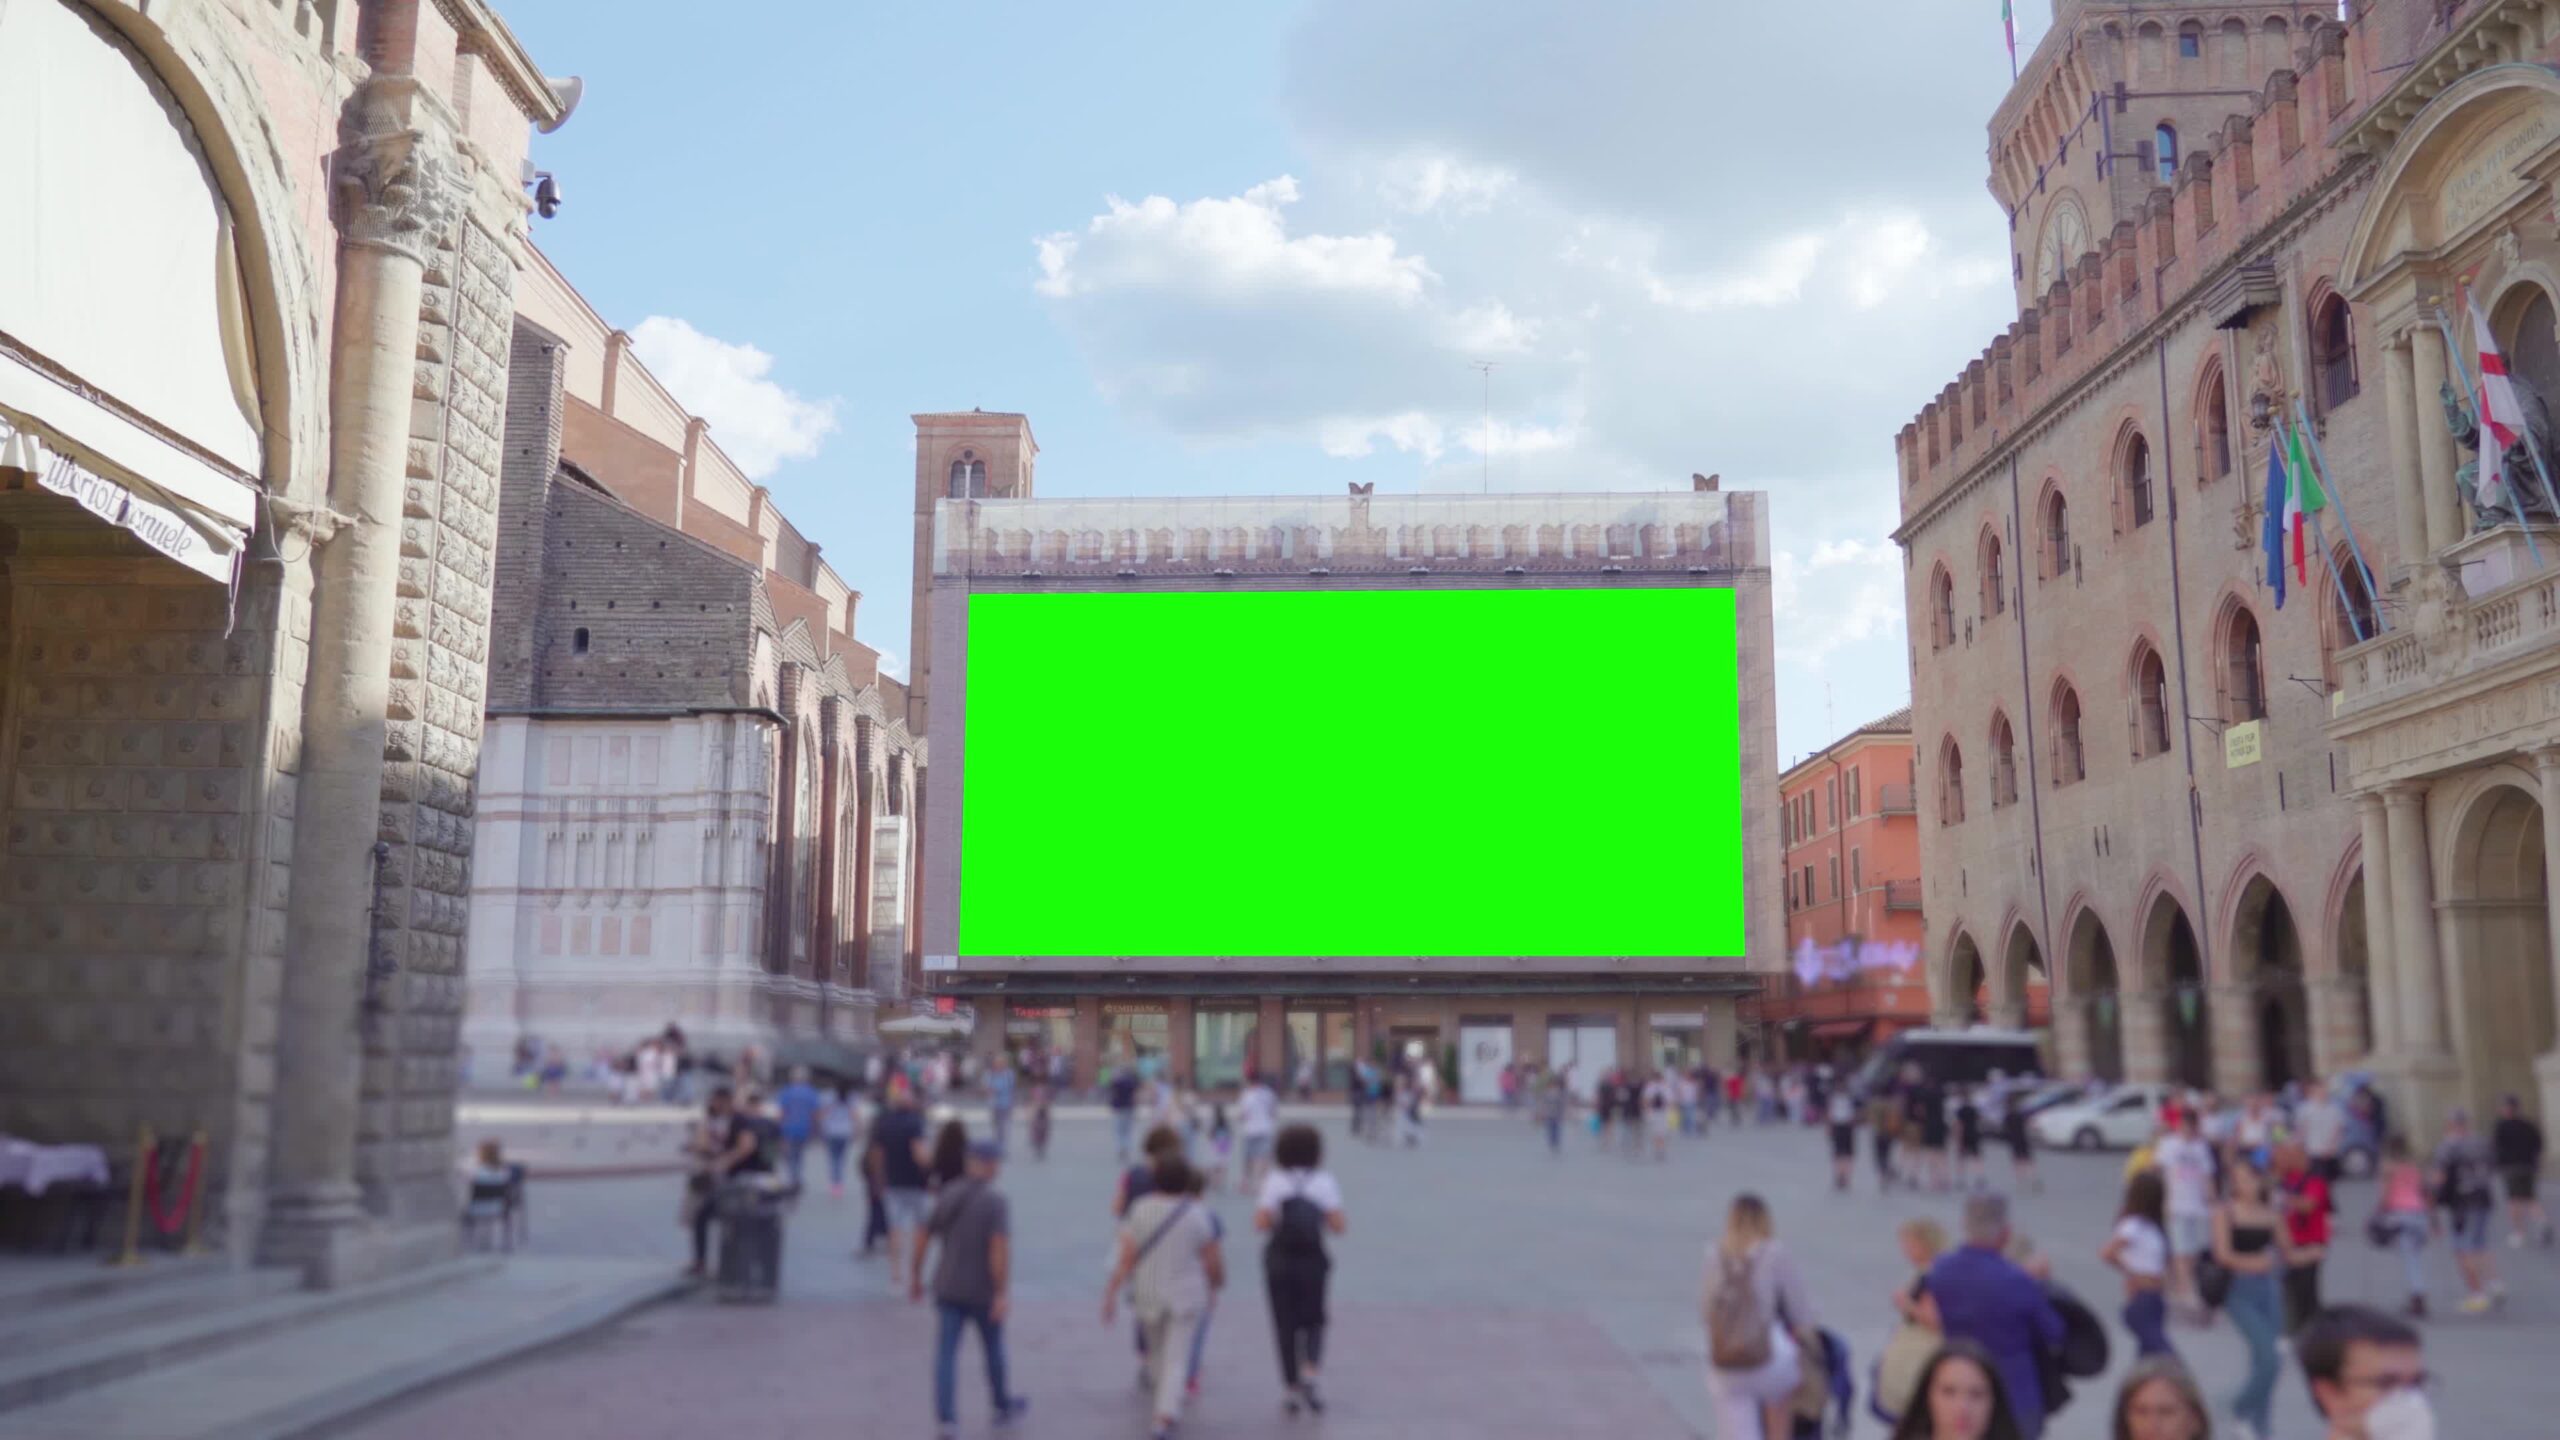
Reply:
x=1413 y=772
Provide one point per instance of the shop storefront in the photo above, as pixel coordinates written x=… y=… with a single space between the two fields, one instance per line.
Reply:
x=1035 y=1030
x=1223 y=1035
x=1135 y=1032
x=1678 y=1039
x=1320 y=1034
x=1582 y=1048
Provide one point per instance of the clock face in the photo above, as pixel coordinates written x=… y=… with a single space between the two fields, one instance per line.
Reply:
x=2066 y=239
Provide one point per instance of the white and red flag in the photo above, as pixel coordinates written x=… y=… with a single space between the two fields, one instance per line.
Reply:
x=2501 y=416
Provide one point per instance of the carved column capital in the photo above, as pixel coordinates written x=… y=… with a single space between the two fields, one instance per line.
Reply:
x=2545 y=761
x=398 y=175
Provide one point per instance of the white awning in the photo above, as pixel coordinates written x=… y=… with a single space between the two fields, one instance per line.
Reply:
x=122 y=330
x=204 y=542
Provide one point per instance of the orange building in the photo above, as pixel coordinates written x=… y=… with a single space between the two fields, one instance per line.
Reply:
x=1849 y=819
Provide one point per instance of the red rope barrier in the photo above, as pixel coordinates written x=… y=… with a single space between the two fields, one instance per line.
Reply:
x=162 y=1220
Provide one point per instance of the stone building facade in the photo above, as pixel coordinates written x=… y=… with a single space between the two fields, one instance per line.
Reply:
x=1216 y=1018
x=2251 y=843
x=247 y=518
x=697 y=795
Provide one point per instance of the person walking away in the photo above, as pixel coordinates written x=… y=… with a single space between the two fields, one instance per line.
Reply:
x=2320 y=1123
x=1631 y=1114
x=898 y=1161
x=1257 y=1120
x=1884 y=1127
x=2138 y=1249
x=1042 y=1095
x=1968 y=1139
x=2401 y=1218
x=2515 y=1147
x=1915 y=1338
x=1552 y=1103
x=1222 y=1144
x=796 y=1112
x=1604 y=1108
x=2159 y=1401
x=1961 y=1395
x=950 y=1163
x=1844 y=1137
x=2303 y=1195
x=2469 y=1198
x=2185 y=1162
x=2368 y=1376
x=2248 y=1241
x=1977 y=1293
x=1299 y=1206
x=1122 y=1095
x=1755 y=1298
x=1001 y=1087
x=1926 y=1109
x=971 y=1285
x=1657 y=1117
x=1199 y=1193
x=1171 y=1263
x=836 y=1124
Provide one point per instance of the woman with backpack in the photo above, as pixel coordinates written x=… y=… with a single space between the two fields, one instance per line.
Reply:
x=1755 y=1299
x=1300 y=1204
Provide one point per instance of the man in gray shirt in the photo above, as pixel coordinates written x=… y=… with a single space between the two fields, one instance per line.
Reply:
x=973 y=1224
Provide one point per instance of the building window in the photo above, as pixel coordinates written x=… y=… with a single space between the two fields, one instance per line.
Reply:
x=2057 y=536
x=2004 y=763
x=1995 y=583
x=1857 y=872
x=2164 y=143
x=2352 y=615
x=2137 y=481
x=1791 y=890
x=1835 y=877
x=1950 y=784
x=1942 y=609
x=2069 y=762
x=2190 y=43
x=578 y=641
x=2333 y=353
x=2150 y=704
x=968 y=477
x=2213 y=428
x=2244 y=687
x=1853 y=792
x=1831 y=803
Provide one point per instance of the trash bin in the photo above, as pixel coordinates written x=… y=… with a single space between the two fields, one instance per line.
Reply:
x=750 y=1240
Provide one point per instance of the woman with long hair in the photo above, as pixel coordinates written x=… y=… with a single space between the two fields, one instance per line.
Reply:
x=1300 y=1204
x=2160 y=1401
x=2138 y=1249
x=1755 y=1300
x=2249 y=1240
x=1959 y=1398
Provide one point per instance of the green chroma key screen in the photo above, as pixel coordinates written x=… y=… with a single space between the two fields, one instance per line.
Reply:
x=1352 y=772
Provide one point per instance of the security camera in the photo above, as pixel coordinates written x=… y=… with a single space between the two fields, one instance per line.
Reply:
x=546 y=194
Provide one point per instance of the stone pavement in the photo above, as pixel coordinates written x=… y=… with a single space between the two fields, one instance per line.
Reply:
x=1486 y=1289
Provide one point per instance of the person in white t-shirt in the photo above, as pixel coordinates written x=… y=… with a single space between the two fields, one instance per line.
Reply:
x=1299 y=1206
x=1257 y=1117
x=2185 y=1162
x=2139 y=1251
x=2321 y=1124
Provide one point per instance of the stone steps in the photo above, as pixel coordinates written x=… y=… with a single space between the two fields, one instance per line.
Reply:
x=58 y=1317
x=102 y=1336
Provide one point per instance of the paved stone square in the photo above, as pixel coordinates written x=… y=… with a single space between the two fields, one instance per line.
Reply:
x=1485 y=1289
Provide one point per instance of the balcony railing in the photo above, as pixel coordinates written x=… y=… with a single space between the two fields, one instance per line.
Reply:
x=1897 y=799
x=1902 y=894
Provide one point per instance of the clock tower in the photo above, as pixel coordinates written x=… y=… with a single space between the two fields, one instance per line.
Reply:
x=960 y=455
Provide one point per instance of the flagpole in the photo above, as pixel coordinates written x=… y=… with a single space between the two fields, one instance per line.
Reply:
x=2346 y=522
x=2524 y=423
x=2453 y=353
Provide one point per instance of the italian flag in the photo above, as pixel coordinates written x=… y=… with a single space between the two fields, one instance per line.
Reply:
x=2302 y=500
x=2009 y=27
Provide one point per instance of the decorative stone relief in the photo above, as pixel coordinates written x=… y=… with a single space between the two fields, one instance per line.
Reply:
x=401 y=183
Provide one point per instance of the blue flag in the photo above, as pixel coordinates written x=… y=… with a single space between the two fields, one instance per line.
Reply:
x=2273 y=525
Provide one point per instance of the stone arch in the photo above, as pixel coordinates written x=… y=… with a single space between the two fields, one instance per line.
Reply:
x=2349 y=957
x=1942 y=606
x=1991 y=565
x=2066 y=729
x=2022 y=965
x=2150 y=710
x=1961 y=981
x=2094 y=989
x=2209 y=423
x=2402 y=215
x=2133 y=478
x=2239 y=663
x=2052 y=521
x=2490 y=872
x=2173 y=968
x=2267 y=961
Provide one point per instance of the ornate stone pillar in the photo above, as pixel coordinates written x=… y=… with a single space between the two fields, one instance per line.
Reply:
x=401 y=187
x=2401 y=411
x=2436 y=458
x=2546 y=764
x=2381 y=942
x=2424 y=1070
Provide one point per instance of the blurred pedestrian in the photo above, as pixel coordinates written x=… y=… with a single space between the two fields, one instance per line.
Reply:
x=898 y=1161
x=2138 y=1249
x=1755 y=1298
x=2468 y=1195
x=2515 y=1147
x=1300 y=1204
x=1977 y=1293
x=1844 y=1137
x=2159 y=1401
x=2303 y=1195
x=2368 y=1375
x=796 y=1113
x=972 y=1286
x=2401 y=1218
x=837 y=1122
x=1170 y=1261
x=2248 y=1242
x=1962 y=1395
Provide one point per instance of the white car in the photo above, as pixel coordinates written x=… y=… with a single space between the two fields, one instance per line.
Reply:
x=2119 y=1118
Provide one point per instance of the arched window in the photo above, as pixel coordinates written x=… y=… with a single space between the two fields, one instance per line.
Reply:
x=2213 y=427
x=2190 y=43
x=2350 y=615
x=968 y=477
x=2004 y=763
x=2533 y=350
x=2244 y=685
x=1995 y=580
x=2150 y=703
x=2164 y=145
x=2333 y=353
x=2137 y=481
x=2070 y=762
x=2057 y=536
x=1942 y=609
x=1950 y=783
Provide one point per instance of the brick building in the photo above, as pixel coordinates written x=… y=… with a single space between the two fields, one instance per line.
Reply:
x=2250 y=843
x=696 y=787
x=254 y=307
x=1850 y=889
x=1218 y=1017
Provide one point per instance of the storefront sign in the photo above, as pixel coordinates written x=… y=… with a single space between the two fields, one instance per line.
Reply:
x=2244 y=744
x=155 y=525
x=1677 y=1020
x=1023 y=1010
x=1133 y=1007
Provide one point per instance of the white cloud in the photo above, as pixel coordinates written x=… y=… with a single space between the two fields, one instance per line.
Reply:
x=1419 y=184
x=1841 y=594
x=893 y=664
x=757 y=420
x=1238 y=245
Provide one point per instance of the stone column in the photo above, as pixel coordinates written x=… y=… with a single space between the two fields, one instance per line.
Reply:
x=2142 y=1024
x=2231 y=1022
x=1722 y=1041
x=2401 y=411
x=2546 y=1068
x=1271 y=1036
x=2423 y=1071
x=2071 y=1034
x=2436 y=459
x=2381 y=941
x=401 y=184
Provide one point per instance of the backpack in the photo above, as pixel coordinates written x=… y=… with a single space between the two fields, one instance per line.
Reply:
x=1738 y=1325
x=1297 y=1228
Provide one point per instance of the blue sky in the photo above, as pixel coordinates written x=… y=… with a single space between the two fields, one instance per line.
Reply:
x=1252 y=248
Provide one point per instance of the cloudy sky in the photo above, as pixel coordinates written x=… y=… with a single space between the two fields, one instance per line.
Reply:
x=1259 y=249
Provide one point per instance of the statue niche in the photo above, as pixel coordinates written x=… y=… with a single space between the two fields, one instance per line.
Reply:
x=2523 y=497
